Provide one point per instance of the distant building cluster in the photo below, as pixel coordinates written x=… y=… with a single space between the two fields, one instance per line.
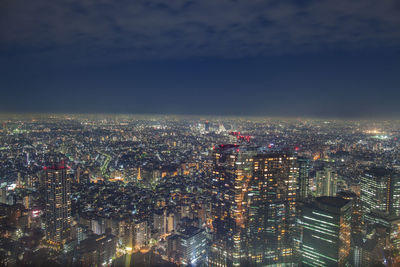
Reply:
x=175 y=191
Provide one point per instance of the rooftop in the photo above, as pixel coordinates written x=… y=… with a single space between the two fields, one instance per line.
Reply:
x=336 y=202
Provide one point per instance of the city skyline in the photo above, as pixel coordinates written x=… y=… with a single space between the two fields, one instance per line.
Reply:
x=105 y=190
x=209 y=133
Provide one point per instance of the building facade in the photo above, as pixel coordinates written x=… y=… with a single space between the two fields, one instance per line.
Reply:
x=380 y=191
x=253 y=207
x=58 y=205
x=326 y=226
x=326 y=182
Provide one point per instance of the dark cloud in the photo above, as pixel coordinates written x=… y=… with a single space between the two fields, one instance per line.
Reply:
x=246 y=57
x=89 y=29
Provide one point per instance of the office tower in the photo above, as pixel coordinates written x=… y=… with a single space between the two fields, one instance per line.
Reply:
x=326 y=232
x=303 y=194
x=58 y=204
x=357 y=250
x=356 y=215
x=303 y=182
x=326 y=181
x=380 y=191
x=159 y=222
x=126 y=234
x=253 y=208
x=192 y=245
x=142 y=234
x=232 y=169
x=275 y=175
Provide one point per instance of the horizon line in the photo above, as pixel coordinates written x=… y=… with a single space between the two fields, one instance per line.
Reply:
x=200 y=116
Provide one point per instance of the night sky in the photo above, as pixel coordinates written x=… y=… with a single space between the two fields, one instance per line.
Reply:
x=208 y=57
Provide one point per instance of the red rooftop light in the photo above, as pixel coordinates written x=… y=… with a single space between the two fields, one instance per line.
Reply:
x=228 y=146
x=57 y=167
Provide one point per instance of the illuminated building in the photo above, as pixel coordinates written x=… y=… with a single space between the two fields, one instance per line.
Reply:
x=192 y=245
x=142 y=234
x=380 y=191
x=356 y=216
x=275 y=175
x=253 y=207
x=126 y=233
x=58 y=205
x=232 y=168
x=326 y=232
x=303 y=182
x=326 y=181
x=302 y=196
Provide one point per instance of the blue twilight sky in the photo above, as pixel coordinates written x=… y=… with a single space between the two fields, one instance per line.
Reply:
x=314 y=58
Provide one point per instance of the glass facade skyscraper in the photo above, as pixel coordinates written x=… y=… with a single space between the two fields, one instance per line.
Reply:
x=380 y=191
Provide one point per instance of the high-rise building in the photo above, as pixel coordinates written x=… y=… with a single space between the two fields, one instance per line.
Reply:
x=188 y=247
x=193 y=245
x=356 y=216
x=380 y=191
x=326 y=182
x=232 y=170
x=142 y=234
x=303 y=195
x=276 y=176
x=58 y=205
x=303 y=180
x=253 y=210
x=326 y=226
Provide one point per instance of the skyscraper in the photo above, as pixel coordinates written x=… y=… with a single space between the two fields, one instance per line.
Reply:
x=356 y=216
x=232 y=170
x=58 y=205
x=303 y=182
x=326 y=181
x=193 y=245
x=303 y=195
x=276 y=176
x=253 y=209
x=380 y=191
x=326 y=232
